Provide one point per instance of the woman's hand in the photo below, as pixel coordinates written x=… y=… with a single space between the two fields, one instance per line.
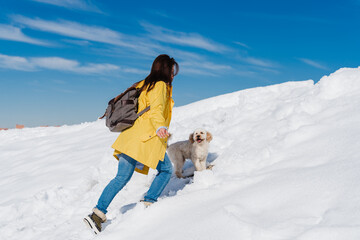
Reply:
x=162 y=133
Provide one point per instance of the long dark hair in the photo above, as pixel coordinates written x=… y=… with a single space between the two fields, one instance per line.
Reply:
x=161 y=70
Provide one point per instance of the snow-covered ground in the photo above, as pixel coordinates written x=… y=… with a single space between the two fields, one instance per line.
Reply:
x=287 y=166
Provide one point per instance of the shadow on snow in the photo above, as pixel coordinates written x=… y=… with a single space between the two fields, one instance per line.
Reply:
x=176 y=184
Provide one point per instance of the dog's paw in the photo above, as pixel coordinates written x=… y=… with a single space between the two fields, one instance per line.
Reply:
x=179 y=175
x=210 y=167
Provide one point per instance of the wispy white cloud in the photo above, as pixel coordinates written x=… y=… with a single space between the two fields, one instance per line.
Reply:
x=196 y=71
x=146 y=45
x=184 y=39
x=53 y=63
x=207 y=65
x=15 y=63
x=242 y=44
x=72 y=4
x=62 y=64
x=203 y=68
x=75 y=30
x=313 y=63
x=133 y=70
x=159 y=13
x=259 y=62
x=8 y=32
x=86 y=33
x=78 y=42
x=269 y=70
x=245 y=73
x=96 y=68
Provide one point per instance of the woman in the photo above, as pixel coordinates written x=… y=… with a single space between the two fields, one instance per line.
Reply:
x=145 y=142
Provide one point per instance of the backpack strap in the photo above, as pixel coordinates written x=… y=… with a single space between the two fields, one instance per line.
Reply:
x=102 y=116
x=146 y=109
x=143 y=111
x=123 y=93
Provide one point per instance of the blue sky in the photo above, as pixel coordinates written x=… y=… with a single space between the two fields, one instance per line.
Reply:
x=62 y=60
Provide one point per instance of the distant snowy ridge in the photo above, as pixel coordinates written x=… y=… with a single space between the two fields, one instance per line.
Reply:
x=286 y=167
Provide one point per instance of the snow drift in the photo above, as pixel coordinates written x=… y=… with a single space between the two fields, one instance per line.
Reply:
x=286 y=167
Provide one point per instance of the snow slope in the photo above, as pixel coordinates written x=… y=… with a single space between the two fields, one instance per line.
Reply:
x=286 y=167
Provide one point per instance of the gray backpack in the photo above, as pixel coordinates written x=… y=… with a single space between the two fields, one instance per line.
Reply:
x=121 y=112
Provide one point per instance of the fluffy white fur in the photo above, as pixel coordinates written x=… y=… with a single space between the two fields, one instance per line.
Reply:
x=195 y=149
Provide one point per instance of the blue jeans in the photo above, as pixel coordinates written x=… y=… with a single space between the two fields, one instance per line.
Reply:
x=126 y=169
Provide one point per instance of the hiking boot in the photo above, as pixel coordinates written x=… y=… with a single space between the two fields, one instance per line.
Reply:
x=94 y=220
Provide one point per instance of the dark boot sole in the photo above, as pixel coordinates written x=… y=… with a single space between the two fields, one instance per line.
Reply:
x=90 y=224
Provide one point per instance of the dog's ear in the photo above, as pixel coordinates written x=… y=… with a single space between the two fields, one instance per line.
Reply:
x=191 y=138
x=209 y=136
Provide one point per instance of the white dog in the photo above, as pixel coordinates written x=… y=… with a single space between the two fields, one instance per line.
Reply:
x=196 y=149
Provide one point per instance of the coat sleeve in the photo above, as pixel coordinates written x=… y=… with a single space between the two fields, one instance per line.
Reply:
x=158 y=102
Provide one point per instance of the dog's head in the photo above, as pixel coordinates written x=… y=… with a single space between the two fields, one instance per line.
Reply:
x=200 y=135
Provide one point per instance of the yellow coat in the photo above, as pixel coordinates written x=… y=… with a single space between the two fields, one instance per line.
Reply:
x=140 y=141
